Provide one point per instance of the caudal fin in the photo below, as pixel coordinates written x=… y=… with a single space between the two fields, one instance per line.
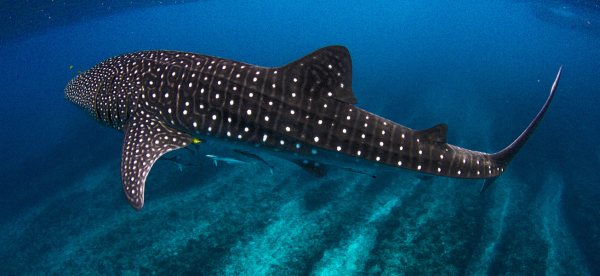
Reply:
x=506 y=155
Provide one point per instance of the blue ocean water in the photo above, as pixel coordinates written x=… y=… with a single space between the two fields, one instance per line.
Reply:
x=483 y=67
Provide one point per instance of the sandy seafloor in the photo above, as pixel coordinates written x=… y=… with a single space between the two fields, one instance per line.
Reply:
x=485 y=68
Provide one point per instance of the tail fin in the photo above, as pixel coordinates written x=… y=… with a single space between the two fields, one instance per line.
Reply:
x=506 y=155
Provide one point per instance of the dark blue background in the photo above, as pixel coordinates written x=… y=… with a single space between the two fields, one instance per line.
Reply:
x=484 y=68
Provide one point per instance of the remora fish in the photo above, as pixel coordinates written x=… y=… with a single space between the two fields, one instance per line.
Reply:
x=254 y=156
x=302 y=111
x=179 y=164
x=228 y=160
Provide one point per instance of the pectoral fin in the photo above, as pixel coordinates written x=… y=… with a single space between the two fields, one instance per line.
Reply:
x=146 y=139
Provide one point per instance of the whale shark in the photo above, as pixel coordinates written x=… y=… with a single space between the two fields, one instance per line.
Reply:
x=303 y=112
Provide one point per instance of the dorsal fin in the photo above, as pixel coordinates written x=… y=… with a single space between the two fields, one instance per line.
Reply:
x=329 y=69
x=436 y=134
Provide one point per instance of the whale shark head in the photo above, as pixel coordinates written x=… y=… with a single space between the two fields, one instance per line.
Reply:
x=82 y=93
x=107 y=92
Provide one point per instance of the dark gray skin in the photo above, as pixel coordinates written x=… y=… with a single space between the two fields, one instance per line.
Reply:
x=302 y=112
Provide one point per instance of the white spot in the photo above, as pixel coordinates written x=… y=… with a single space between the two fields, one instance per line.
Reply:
x=214 y=117
x=293 y=95
x=341 y=85
x=273 y=85
x=169 y=110
x=418 y=141
x=224 y=67
x=320 y=122
x=250 y=94
x=231 y=102
x=339 y=148
x=383 y=132
x=295 y=80
x=216 y=96
x=439 y=169
x=441 y=156
x=267 y=118
x=325 y=106
x=249 y=112
x=246 y=129
x=218 y=82
x=401 y=148
x=228 y=133
x=195 y=125
x=381 y=144
x=166 y=95
x=270 y=103
x=292 y=112
x=190 y=84
x=464 y=161
x=348 y=118
x=316 y=139
x=344 y=130
x=254 y=79
x=202 y=90
x=201 y=106
x=237 y=76
x=187 y=103
x=184 y=112
x=330 y=66
x=377 y=158
x=329 y=94
x=420 y=152
x=419 y=167
x=402 y=136
x=264 y=138
x=151 y=82
x=366 y=125
x=287 y=129
x=478 y=172
x=399 y=163
x=358 y=153
x=363 y=136
x=240 y=136
x=459 y=172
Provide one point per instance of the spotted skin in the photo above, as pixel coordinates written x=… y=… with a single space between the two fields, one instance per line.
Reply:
x=302 y=112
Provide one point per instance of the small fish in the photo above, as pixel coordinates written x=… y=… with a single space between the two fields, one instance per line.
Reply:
x=254 y=156
x=179 y=164
x=229 y=160
x=357 y=171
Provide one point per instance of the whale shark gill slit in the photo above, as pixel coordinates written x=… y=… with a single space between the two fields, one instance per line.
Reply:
x=302 y=112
